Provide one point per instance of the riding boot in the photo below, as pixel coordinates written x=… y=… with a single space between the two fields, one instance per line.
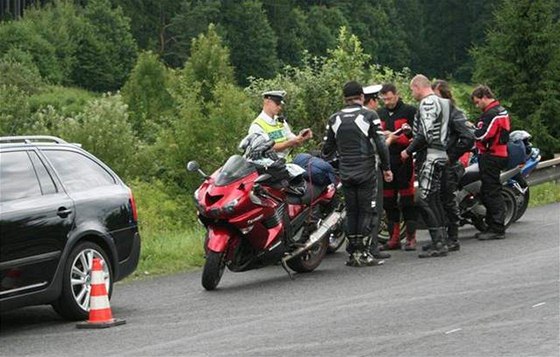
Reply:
x=453 y=238
x=367 y=258
x=394 y=242
x=354 y=253
x=410 y=241
x=438 y=247
x=374 y=248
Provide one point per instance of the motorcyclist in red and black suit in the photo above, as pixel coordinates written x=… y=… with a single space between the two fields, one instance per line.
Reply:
x=492 y=136
x=398 y=195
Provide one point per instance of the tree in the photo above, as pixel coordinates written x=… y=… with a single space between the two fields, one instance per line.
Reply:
x=22 y=36
x=107 y=50
x=61 y=25
x=520 y=61
x=147 y=96
x=251 y=40
x=150 y=21
x=209 y=63
x=289 y=23
x=323 y=24
x=191 y=20
x=380 y=31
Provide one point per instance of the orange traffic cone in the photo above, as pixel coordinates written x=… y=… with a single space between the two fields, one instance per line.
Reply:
x=100 y=315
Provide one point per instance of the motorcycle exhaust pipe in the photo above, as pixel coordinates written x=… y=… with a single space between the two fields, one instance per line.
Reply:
x=324 y=229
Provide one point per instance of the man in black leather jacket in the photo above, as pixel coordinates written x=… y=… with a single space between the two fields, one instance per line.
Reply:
x=354 y=133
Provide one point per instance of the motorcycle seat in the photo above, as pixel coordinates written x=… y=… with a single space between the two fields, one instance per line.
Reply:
x=472 y=174
x=311 y=193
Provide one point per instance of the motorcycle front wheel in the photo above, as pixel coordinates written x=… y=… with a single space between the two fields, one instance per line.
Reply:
x=311 y=259
x=214 y=267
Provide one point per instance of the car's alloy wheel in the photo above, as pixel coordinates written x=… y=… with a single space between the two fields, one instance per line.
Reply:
x=73 y=303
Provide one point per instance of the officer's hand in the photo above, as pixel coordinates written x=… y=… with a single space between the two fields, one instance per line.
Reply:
x=388 y=176
x=306 y=134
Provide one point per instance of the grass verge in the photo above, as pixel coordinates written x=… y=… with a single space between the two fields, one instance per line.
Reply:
x=170 y=252
x=545 y=193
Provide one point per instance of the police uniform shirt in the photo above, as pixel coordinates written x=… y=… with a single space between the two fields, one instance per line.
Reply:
x=256 y=128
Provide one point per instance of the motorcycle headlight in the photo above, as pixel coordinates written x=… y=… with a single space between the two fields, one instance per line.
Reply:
x=230 y=206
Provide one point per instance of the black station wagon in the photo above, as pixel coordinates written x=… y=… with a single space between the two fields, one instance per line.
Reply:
x=59 y=208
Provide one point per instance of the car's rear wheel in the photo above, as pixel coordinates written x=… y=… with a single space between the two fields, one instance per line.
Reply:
x=73 y=303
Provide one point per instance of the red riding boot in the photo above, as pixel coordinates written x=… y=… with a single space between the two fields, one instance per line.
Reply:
x=410 y=241
x=395 y=240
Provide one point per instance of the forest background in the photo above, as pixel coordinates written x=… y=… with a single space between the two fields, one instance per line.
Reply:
x=147 y=85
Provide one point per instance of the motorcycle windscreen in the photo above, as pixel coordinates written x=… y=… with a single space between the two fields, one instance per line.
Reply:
x=236 y=167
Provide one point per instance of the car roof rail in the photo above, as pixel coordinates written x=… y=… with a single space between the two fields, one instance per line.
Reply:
x=28 y=139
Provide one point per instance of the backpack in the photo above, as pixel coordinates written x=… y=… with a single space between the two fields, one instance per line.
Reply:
x=317 y=171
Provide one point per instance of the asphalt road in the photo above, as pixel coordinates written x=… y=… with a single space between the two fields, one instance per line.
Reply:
x=495 y=298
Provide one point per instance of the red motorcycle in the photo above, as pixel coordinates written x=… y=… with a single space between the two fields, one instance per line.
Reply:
x=255 y=217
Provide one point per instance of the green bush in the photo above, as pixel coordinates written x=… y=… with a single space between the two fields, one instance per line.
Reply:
x=103 y=129
x=106 y=50
x=67 y=101
x=22 y=35
x=171 y=237
x=14 y=111
x=61 y=25
x=160 y=211
x=18 y=70
x=147 y=96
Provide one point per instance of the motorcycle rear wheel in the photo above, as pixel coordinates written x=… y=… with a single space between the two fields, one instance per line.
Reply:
x=510 y=203
x=308 y=261
x=213 y=270
x=336 y=239
x=522 y=199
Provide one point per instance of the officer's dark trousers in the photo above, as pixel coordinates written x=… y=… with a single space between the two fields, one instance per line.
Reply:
x=451 y=174
x=361 y=208
x=491 y=191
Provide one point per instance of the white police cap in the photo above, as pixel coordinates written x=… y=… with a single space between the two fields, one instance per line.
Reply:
x=276 y=95
x=373 y=89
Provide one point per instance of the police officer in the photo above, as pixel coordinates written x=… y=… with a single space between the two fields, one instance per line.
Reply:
x=371 y=97
x=492 y=136
x=272 y=126
x=354 y=133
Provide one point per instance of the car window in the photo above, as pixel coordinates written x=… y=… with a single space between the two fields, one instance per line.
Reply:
x=78 y=172
x=17 y=177
x=45 y=179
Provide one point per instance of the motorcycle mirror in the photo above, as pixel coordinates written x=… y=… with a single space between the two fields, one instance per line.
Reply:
x=193 y=166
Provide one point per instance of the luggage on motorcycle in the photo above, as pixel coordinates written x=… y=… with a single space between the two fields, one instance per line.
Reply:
x=317 y=171
x=279 y=175
x=516 y=153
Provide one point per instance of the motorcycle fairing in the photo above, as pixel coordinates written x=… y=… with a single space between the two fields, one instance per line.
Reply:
x=218 y=238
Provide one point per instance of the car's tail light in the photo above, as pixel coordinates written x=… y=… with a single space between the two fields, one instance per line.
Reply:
x=133 y=206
